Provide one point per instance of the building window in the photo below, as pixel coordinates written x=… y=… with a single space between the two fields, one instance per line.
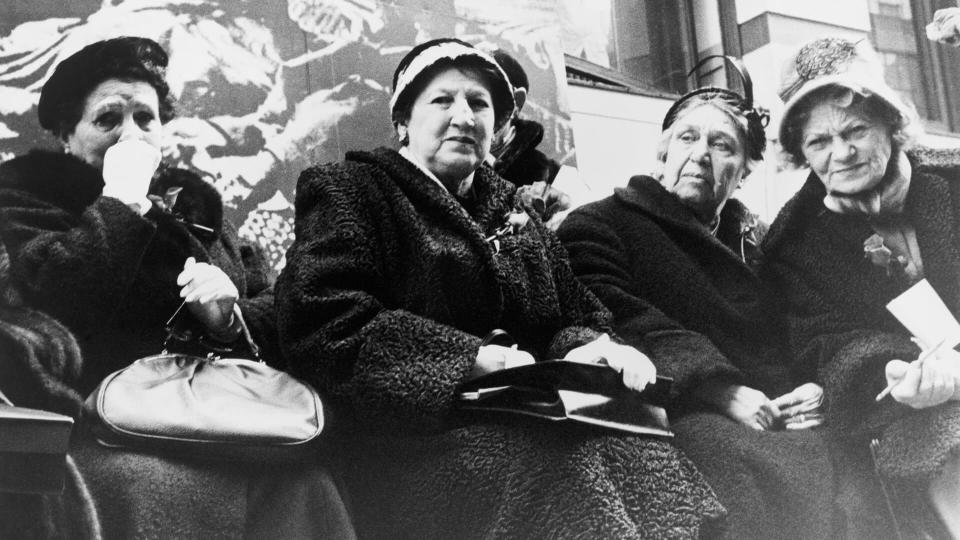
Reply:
x=647 y=46
x=921 y=70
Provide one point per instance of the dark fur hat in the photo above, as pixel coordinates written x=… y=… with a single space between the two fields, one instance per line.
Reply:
x=756 y=119
x=128 y=58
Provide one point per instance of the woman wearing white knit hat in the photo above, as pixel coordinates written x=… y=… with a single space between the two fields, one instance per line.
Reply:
x=403 y=262
x=876 y=215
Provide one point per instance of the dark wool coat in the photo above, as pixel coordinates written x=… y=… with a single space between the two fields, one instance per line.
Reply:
x=840 y=330
x=103 y=270
x=109 y=276
x=388 y=290
x=521 y=162
x=696 y=307
x=685 y=296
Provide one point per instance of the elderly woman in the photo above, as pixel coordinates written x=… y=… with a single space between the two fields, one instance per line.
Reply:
x=874 y=217
x=403 y=262
x=672 y=256
x=109 y=246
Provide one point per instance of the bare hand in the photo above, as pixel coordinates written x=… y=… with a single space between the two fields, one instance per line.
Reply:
x=210 y=296
x=801 y=408
x=741 y=403
x=932 y=382
x=638 y=371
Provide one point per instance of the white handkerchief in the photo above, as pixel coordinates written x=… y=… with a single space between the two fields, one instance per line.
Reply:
x=924 y=314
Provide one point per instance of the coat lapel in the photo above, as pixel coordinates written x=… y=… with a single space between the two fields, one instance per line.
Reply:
x=930 y=205
x=492 y=197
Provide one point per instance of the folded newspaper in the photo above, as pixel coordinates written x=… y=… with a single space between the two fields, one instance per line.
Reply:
x=33 y=449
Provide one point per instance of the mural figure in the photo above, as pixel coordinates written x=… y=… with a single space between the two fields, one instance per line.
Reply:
x=268 y=89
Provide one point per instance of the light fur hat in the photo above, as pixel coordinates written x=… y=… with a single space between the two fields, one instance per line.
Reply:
x=836 y=61
x=450 y=52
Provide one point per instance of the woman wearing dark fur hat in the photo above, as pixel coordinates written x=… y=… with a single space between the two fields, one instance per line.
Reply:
x=673 y=257
x=109 y=245
x=403 y=262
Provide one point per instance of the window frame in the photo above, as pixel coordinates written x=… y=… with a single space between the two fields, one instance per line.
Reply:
x=939 y=66
x=582 y=72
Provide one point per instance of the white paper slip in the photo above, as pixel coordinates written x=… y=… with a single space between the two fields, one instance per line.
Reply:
x=921 y=310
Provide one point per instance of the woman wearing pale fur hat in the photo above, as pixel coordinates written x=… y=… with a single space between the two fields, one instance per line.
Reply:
x=876 y=215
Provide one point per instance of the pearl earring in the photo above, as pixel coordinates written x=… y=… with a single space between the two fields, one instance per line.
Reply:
x=403 y=135
x=66 y=148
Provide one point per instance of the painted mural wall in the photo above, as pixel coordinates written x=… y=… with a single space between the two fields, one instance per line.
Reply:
x=266 y=88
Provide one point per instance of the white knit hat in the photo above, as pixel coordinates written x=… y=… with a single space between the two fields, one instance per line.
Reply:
x=450 y=51
x=836 y=61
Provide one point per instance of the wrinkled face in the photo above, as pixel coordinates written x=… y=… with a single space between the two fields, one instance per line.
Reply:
x=846 y=148
x=451 y=123
x=705 y=161
x=115 y=109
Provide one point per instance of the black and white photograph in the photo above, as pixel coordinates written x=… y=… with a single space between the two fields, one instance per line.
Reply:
x=480 y=269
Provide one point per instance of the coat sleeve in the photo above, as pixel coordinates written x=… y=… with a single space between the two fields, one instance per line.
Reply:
x=583 y=316
x=257 y=297
x=599 y=259
x=76 y=266
x=391 y=369
x=830 y=348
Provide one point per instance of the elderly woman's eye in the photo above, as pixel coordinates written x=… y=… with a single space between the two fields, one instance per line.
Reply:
x=858 y=130
x=816 y=143
x=107 y=119
x=144 y=118
x=687 y=137
x=722 y=145
x=442 y=100
x=478 y=104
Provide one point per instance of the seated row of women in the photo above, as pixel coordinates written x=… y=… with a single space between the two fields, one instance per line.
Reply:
x=405 y=259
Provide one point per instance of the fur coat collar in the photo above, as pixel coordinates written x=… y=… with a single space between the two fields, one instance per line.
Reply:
x=66 y=181
x=739 y=229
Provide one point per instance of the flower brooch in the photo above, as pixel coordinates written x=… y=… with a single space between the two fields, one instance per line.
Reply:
x=515 y=221
x=880 y=255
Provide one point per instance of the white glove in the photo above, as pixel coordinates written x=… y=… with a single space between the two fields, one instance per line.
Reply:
x=945 y=26
x=128 y=167
x=210 y=296
x=637 y=369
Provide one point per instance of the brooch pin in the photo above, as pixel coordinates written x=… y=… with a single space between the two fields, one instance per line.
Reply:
x=880 y=255
x=516 y=220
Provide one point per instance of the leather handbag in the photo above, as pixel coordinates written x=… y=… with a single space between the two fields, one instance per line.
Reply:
x=207 y=407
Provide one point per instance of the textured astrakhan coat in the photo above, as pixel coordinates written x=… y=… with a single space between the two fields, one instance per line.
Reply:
x=690 y=301
x=81 y=269
x=843 y=336
x=388 y=290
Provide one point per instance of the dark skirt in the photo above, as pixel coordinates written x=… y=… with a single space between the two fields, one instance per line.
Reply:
x=146 y=496
x=527 y=480
x=774 y=484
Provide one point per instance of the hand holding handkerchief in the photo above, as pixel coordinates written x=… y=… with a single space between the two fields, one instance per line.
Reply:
x=934 y=377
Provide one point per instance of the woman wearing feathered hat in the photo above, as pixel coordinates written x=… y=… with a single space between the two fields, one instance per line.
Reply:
x=403 y=262
x=875 y=216
x=108 y=242
x=673 y=256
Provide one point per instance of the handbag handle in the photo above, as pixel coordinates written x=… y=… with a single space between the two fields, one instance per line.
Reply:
x=254 y=349
x=172 y=333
